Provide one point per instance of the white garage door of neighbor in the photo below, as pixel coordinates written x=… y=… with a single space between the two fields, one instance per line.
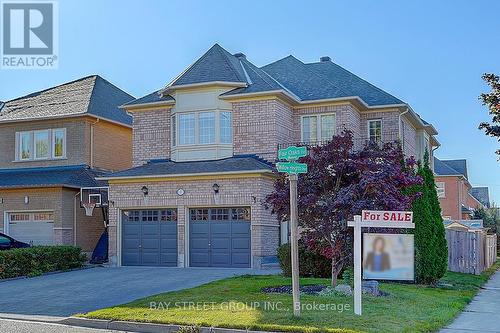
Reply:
x=35 y=228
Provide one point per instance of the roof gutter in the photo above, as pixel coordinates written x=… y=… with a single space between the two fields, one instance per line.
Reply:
x=188 y=174
x=86 y=114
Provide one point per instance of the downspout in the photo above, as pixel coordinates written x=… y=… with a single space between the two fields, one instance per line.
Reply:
x=92 y=143
x=399 y=122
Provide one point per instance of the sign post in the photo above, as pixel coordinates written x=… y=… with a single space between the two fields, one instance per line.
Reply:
x=374 y=219
x=292 y=168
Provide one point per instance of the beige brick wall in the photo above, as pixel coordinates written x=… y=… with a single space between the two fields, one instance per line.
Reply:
x=151 y=135
x=410 y=139
x=61 y=202
x=390 y=124
x=199 y=193
x=260 y=125
x=112 y=146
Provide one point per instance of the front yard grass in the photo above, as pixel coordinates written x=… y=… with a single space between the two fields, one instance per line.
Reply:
x=231 y=303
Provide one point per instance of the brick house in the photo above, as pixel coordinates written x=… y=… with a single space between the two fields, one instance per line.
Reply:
x=52 y=143
x=204 y=147
x=457 y=197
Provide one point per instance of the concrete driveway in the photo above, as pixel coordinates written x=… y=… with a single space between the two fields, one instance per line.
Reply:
x=86 y=290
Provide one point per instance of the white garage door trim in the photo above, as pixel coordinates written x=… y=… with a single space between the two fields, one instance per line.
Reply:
x=31 y=214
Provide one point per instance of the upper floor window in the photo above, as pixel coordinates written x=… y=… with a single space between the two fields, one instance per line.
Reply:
x=318 y=127
x=440 y=188
x=41 y=144
x=375 y=130
x=201 y=128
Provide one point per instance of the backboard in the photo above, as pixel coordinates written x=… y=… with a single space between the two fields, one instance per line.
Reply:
x=95 y=195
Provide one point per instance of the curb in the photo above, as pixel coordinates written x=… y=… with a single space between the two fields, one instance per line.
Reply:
x=130 y=326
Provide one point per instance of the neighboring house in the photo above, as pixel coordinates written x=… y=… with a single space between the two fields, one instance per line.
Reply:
x=482 y=195
x=204 y=147
x=457 y=197
x=52 y=143
x=464 y=225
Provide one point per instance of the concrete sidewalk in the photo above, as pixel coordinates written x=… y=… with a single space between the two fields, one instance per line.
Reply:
x=483 y=313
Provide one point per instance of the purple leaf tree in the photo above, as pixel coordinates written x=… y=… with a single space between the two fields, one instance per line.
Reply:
x=341 y=181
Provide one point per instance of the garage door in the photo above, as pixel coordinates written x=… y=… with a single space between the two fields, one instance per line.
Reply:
x=219 y=237
x=35 y=228
x=149 y=237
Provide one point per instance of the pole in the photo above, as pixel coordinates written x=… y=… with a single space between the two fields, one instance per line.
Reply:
x=357 y=264
x=294 y=245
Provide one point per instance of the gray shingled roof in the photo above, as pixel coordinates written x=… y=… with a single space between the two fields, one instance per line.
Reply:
x=154 y=97
x=481 y=194
x=168 y=167
x=450 y=167
x=307 y=82
x=74 y=176
x=215 y=65
x=89 y=95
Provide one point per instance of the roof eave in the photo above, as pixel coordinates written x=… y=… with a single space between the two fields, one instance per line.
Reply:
x=263 y=171
x=203 y=84
x=130 y=107
x=85 y=114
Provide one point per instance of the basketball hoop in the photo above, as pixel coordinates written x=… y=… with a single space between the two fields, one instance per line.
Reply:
x=89 y=208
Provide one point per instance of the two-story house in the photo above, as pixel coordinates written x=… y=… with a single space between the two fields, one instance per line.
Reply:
x=52 y=143
x=457 y=197
x=204 y=147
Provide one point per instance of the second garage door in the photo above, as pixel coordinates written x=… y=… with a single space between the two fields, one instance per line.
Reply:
x=219 y=237
x=149 y=237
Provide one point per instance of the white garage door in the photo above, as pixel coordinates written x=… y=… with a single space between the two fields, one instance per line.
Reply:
x=36 y=228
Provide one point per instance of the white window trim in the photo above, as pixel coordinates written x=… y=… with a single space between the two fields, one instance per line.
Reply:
x=441 y=188
x=176 y=132
x=381 y=128
x=33 y=157
x=53 y=142
x=19 y=146
x=319 y=134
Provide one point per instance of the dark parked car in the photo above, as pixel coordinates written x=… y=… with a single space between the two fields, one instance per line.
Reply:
x=7 y=243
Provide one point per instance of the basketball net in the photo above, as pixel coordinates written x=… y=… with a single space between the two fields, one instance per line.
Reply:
x=89 y=208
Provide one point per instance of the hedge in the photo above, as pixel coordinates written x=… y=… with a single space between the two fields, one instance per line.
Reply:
x=311 y=264
x=37 y=260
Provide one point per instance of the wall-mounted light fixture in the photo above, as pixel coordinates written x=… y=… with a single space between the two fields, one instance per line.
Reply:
x=254 y=198
x=216 y=187
x=145 y=190
x=26 y=200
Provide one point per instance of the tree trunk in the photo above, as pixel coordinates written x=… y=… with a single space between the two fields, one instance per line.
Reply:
x=336 y=268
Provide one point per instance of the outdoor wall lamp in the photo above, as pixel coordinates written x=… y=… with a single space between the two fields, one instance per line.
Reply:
x=26 y=200
x=145 y=190
x=216 y=187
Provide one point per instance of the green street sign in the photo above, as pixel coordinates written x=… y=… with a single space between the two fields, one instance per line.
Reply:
x=292 y=153
x=291 y=167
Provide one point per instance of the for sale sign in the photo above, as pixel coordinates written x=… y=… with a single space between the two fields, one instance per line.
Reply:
x=386 y=216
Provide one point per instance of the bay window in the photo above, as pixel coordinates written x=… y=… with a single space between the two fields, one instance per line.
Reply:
x=187 y=129
x=225 y=128
x=318 y=127
x=201 y=128
x=41 y=144
x=207 y=127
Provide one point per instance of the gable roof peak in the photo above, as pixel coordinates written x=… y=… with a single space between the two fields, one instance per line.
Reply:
x=215 y=65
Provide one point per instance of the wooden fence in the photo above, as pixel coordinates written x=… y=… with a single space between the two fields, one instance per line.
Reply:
x=470 y=252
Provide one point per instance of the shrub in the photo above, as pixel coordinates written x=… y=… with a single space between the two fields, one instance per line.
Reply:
x=431 y=251
x=38 y=260
x=311 y=264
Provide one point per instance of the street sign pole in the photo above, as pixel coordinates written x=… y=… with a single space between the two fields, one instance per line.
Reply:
x=292 y=168
x=294 y=245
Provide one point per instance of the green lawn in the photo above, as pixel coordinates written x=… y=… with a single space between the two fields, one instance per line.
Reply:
x=409 y=308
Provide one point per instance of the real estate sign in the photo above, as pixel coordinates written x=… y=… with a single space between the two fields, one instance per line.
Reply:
x=388 y=256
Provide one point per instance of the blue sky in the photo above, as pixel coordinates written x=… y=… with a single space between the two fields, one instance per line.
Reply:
x=430 y=54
